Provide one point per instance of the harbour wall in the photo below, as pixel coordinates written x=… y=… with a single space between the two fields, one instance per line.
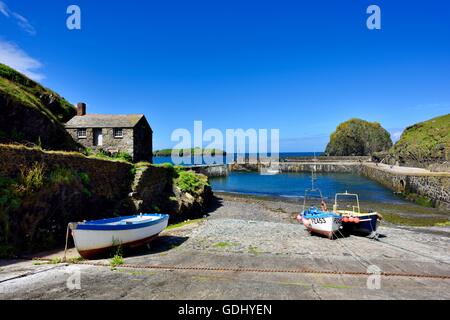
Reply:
x=214 y=170
x=433 y=185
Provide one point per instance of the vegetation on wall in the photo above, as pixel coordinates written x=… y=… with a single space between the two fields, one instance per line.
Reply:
x=30 y=198
x=102 y=154
x=357 y=137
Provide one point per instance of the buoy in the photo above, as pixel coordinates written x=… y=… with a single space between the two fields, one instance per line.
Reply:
x=350 y=219
x=345 y=219
x=356 y=220
x=299 y=217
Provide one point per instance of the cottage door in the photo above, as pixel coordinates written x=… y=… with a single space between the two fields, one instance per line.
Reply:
x=98 y=137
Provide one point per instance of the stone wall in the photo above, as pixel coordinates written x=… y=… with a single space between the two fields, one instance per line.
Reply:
x=110 y=143
x=84 y=189
x=349 y=167
x=433 y=185
x=110 y=180
x=214 y=170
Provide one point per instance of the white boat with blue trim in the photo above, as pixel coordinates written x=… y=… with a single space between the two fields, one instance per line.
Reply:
x=319 y=221
x=93 y=238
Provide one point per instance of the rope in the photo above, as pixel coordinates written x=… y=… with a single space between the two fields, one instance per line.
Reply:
x=67 y=239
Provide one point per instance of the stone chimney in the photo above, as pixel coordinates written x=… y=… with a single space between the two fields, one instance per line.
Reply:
x=81 y=109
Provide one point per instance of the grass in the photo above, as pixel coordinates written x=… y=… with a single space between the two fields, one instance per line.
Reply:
x=115 y=261
x=62 y=176
x=120 y=156
x=117 y=258
x=442 y=224
x=184 y=223
x=225 y=244
x=253 y=250
x=425 y=141
x=33 y=95
x=32 y=180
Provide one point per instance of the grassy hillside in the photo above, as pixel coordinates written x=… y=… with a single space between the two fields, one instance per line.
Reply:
x=31 y=113
x=34 y=95
x=424 y=143
x=357 y=137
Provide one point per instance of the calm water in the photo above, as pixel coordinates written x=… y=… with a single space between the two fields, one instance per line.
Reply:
x=293 y=185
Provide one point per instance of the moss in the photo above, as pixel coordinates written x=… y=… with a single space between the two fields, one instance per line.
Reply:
x=418 y=199
x=225 y=244
x=442 y=224
x=253 y=250
x=413 y=221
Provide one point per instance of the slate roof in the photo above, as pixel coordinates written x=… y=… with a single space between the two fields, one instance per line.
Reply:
x=104 y=121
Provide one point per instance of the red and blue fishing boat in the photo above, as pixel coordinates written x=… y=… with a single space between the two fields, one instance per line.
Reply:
x=353 y=220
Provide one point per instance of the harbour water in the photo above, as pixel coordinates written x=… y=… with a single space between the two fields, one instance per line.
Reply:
x=293 y=185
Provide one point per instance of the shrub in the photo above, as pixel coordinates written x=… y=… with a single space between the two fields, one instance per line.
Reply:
x=32 y=180
x=190 y=182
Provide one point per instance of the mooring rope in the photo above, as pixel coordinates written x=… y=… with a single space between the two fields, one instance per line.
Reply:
x=67 y=240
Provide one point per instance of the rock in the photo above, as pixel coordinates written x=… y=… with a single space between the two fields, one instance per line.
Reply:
x=357 y=137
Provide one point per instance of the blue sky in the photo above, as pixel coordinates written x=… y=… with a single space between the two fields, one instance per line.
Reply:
x=300 y=66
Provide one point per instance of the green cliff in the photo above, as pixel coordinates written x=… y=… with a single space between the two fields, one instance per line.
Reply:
x=424 y=143
x=30 y=113
x=357 y=137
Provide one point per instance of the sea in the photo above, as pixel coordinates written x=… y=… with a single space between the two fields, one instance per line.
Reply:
x=293 y=185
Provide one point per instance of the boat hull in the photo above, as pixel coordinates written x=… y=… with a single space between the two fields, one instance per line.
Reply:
x=368 y=224
x=322 y=224
x=92 y=243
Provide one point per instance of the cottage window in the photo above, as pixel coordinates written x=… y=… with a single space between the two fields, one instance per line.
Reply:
x=81 y=133
x=118 y=133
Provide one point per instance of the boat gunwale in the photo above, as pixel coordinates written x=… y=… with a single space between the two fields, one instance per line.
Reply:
x=102 y=224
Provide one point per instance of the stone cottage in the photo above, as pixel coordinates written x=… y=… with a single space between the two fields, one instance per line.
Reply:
x=129 y=133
